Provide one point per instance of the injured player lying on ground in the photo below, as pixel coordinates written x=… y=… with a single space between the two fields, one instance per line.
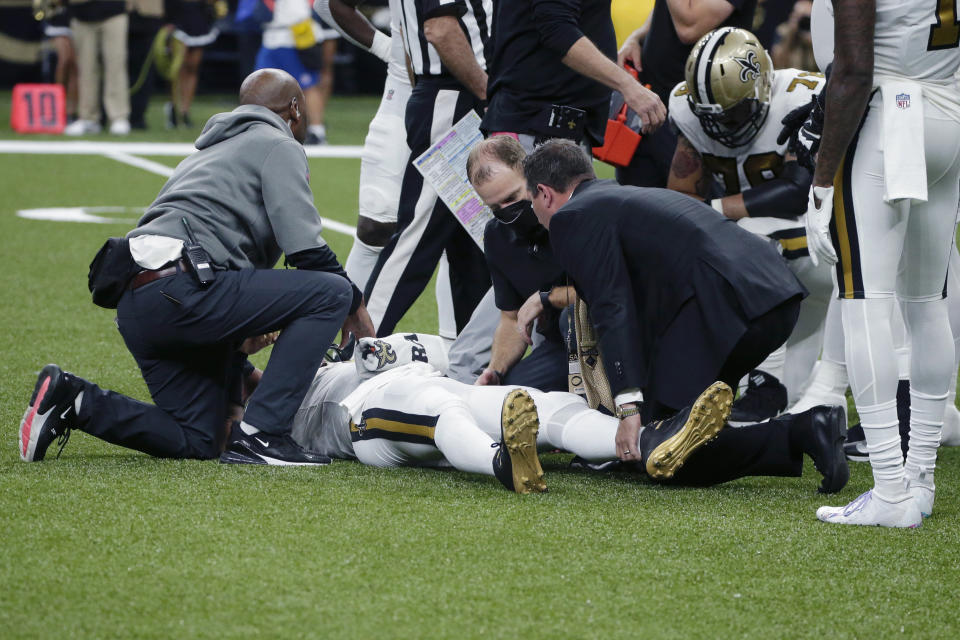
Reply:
x=392 y=407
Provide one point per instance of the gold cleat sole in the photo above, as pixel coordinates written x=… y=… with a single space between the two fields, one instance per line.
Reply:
x=707 y=417
x=519 y=422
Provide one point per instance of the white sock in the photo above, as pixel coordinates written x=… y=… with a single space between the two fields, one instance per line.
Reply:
x=462 y=442
x=882 y=432
x=872 y=368
x=446 y=318
x=248 y=429
x=829 y=386
x=582 y=431
x=318 y=130
x=926 y=423
x=930 y=375
x=361 y=261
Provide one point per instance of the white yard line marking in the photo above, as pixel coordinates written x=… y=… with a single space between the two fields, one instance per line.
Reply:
x=121 y=152
x=140 y=163
x=94 y=147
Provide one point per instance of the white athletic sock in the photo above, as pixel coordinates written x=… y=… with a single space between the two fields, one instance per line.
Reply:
x=318 y=130
x=926 y=423
x=462 y=442
x=248 y=429
x=872 y=368
x=446 y=317
x=882 y=431
x=361 y=261
x=582 y=431
x=930 y=375
x=829 y=386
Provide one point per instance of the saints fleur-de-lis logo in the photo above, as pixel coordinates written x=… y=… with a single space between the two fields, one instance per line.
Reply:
x=749 y=67
x=383 y=352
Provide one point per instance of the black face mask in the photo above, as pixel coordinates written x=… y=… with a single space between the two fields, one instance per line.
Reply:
x=520 y=217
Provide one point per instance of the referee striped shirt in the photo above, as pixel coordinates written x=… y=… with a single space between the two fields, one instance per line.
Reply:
x=474 y=17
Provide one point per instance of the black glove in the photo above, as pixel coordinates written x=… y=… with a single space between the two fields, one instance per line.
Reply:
x=803 y=127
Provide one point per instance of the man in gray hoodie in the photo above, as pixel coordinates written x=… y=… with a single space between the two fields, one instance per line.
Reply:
x=245 y=198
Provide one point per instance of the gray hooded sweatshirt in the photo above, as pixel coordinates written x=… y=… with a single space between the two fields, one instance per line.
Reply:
x=246 y=193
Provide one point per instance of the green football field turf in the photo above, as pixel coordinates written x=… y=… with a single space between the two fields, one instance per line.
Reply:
x=105 y=542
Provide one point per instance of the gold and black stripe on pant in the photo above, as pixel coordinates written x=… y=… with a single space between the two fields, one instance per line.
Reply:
x=793 y=242
x=843 y=225
x=394 y=425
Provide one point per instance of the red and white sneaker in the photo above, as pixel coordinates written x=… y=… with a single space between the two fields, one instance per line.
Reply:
x=51 y=413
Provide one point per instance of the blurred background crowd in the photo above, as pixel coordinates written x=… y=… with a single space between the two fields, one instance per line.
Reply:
x=114 y=56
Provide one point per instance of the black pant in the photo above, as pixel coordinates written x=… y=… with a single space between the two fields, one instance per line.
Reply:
x=547 y=366
x=184 y=337
x=650 y=165
x=755 y=450
x=425 y=226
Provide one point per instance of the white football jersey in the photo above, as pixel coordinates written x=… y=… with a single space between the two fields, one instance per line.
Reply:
x=322 y=424
x=918 y=39
x=737 y=169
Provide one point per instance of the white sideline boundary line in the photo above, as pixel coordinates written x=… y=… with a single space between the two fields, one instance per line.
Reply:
x=121 y=152
x=93 y=147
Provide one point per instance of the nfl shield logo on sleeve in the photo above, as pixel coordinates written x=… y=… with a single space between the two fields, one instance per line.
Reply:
x=903 y=101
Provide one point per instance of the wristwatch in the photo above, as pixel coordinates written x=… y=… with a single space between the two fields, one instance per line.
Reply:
x=545 y=299
x=627 y=410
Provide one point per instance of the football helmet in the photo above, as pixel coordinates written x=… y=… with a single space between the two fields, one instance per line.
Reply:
x=729 y=79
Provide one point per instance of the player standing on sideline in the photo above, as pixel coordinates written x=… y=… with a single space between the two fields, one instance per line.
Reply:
x=728 y=114
x=883 y=208
x=445 y=41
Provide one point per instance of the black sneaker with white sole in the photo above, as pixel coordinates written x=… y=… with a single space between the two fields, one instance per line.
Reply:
x=267 y=448
x=764 y=398
x=51 y=413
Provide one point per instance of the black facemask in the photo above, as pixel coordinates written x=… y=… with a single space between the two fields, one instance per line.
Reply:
x=521 y=218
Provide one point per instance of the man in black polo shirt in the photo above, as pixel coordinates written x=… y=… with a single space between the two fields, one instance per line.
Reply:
x=659 y=50
x=552 y=69
x=528 y=283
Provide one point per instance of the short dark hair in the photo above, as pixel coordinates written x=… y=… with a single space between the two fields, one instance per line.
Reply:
x=504 y=149
x=559 y=164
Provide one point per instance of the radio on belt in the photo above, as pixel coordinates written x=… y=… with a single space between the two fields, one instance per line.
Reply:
x=197 y=257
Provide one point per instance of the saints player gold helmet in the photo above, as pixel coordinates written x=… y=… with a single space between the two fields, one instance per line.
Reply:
x=729 y=77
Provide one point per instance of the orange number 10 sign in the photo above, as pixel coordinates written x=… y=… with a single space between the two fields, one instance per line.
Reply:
x=38 y=108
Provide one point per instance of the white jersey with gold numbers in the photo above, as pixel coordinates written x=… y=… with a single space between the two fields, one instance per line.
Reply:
x=737 y=169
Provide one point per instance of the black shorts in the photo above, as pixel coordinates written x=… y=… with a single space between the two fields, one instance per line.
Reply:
x=194 y=24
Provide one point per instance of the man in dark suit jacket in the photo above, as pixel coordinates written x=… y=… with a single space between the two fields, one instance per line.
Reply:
x=679 y=296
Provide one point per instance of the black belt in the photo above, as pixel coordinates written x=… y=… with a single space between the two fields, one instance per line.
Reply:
x=146 y=277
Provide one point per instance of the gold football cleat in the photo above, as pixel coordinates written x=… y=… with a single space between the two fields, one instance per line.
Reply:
x=518 y=427
x=688 y=430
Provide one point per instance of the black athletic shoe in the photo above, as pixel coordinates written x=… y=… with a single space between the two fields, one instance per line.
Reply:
x=51 y=413
x=267 y=448
x=186 y=121
x=667 y=444
x=596 y=467
x=764 y=398
x=823 y=432
x=516 y=463
x=314 y=139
